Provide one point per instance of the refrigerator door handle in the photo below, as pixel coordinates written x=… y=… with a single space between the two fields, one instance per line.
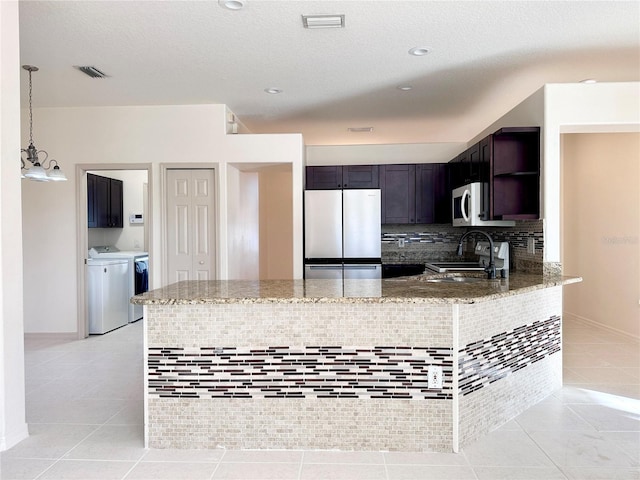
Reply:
x=361 y=267
x=325 y=267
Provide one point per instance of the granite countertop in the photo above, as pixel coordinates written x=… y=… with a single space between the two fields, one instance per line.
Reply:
x=414 y=289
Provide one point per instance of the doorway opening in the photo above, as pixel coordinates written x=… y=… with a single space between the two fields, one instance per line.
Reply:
x=600 y=228
x=133 y=232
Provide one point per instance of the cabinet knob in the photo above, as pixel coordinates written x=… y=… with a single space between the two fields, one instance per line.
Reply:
x=201 y=262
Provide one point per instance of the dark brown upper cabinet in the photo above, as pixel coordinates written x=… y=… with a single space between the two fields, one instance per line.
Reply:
x=360 y=176
x=515 y=174
x=433 y=195
x=339 y=177
x=398 y=191
x=508 y=162
x=415 y=193
x=104 y=202
x=324 y=178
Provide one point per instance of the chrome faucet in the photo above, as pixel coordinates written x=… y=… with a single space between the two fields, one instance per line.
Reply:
x=491 y=268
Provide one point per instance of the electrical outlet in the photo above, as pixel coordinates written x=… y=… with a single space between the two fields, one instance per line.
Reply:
x=435 y=377
x=531 y=245
x=401 y=242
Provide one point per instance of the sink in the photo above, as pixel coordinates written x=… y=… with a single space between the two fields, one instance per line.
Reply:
x=455 y=280
x=442 y=267
x=394 y=270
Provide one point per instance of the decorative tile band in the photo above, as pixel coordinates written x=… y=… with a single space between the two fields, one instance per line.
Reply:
x=517 y=236
x=483 y=362
x=298 y=372
x=421 y=237
x=423 y=243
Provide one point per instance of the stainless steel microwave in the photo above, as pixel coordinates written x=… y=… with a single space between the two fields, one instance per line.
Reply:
x=470 y=205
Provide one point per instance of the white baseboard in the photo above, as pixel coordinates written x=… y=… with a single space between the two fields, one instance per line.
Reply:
x=588 y=321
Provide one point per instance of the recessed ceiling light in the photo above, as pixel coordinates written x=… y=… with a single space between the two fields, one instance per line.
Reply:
x=419 y=51
x=360 y=129
x=232 y=4
x=404 y=88
x=273 y=90
x=588 y=80
x=323 y=21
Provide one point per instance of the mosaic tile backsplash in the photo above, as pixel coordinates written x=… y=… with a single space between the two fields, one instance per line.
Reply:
x=286 y=372
x=422 y=243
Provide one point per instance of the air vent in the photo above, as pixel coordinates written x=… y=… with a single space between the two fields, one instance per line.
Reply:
x=323 y=21
x=93 y=72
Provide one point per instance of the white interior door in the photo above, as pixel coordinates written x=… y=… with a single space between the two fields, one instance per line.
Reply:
x=190 y=225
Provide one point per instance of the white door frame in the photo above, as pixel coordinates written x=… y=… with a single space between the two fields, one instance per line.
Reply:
x=82 y=232
x=163 y=211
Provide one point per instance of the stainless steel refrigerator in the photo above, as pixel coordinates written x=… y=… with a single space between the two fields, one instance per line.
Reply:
x=342 y=234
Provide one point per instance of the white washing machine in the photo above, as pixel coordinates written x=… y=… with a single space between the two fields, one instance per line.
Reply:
x=107 y=294
x=138 y=279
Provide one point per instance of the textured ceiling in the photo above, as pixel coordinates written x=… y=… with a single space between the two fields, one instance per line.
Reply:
x=485 y=57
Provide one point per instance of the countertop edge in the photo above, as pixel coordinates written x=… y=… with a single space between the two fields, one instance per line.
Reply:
x=545 y=282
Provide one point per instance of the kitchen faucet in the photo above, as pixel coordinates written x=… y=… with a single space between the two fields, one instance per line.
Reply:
x=491 y=268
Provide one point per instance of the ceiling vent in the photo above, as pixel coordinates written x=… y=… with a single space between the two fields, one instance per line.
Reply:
x=93 y=72
x=323 y=21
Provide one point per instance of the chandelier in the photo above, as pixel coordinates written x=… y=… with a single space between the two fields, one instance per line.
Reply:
x=40 y=171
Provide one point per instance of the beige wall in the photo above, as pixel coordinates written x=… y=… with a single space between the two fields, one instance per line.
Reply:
x=276 y=223
x=381 y=154
x=601 y=227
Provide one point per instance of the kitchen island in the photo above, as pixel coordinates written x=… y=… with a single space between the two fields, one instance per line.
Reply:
x=422 y=363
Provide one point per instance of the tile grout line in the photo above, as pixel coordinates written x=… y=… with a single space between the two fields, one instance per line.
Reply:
x=466 y=459
x=135 y=464
x=68 y=451
x=558 y=467
x=384 y=463
x=301 y=466
x=218 y=463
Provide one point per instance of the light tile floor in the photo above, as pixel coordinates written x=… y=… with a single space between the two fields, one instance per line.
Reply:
x=84 y=408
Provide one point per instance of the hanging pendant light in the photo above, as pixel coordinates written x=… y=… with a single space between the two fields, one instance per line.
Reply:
x=38 y=170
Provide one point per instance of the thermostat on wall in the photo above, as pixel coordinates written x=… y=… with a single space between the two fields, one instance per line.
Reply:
x=136 y=218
